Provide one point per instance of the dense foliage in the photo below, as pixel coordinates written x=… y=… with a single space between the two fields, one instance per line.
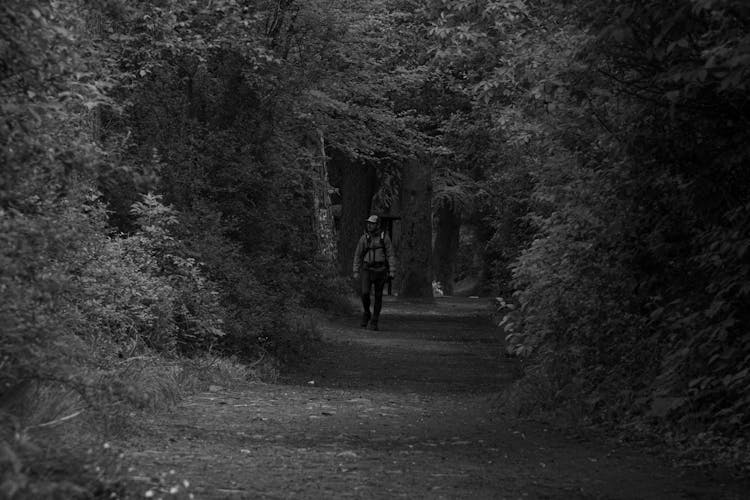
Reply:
x=630 y=117
x=157 y=178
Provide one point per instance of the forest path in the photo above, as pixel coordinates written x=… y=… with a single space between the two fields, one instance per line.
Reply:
x=406 y=412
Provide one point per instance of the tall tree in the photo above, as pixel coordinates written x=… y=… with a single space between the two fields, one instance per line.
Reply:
x=357 y=188
x=416 y=229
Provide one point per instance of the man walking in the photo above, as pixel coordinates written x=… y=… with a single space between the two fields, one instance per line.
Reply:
x=374 y=263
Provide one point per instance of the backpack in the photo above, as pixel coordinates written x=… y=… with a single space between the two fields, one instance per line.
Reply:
x=375 y=266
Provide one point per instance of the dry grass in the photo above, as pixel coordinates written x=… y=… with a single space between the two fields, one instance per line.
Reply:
x=54 y=437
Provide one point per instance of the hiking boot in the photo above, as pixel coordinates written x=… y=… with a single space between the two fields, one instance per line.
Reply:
x=365 y=319
x=373 y=325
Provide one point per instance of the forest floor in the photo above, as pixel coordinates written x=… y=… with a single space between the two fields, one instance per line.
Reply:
x=410 y=411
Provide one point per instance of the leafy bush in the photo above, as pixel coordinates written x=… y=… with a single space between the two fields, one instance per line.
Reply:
x=575 y=289
x=630 y=120
x=86 y=311
x=195 y=312
x=706 y=371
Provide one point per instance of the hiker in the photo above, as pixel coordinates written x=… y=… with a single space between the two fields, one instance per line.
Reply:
x=376 y=260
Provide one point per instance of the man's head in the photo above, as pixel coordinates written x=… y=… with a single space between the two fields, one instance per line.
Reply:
x=372 y=223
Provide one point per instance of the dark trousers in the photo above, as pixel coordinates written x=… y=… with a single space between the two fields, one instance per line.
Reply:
x=377 y=280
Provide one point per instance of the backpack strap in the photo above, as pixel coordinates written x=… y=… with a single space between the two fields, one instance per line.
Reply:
x=366 y=246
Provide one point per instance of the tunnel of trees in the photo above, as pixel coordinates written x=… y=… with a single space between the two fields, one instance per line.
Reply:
x=184 y=179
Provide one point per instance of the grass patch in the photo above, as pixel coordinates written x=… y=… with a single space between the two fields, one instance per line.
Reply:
x=55 y=437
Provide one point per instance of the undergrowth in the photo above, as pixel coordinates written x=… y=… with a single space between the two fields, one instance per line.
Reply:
x=100 y=328
x=56 y=437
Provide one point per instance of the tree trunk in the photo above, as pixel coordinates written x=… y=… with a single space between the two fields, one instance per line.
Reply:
x=357 y=188
x=446 y=247
x=323 y=218
x=416 y=230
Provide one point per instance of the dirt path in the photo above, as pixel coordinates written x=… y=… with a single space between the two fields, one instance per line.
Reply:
x=407 y=412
